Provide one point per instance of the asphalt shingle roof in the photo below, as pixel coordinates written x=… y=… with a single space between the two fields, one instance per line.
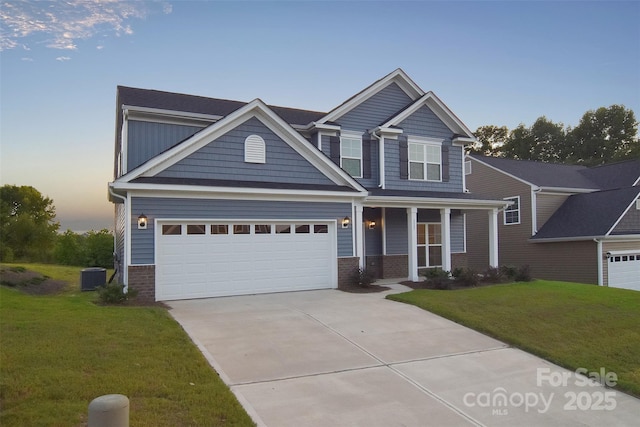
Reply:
x=588 y=214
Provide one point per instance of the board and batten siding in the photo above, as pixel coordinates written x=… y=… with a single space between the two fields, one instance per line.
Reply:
x=223 y=159
x=119 y=232
x=376 y=110
x=146 y=139
x=142 y=241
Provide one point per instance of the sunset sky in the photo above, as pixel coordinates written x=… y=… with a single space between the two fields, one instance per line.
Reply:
x=500 y=63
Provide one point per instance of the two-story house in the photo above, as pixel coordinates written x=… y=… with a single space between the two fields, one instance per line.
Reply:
x=216 y=197
x=567 y=222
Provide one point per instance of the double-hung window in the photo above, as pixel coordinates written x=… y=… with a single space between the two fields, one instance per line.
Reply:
x=351 y=154
x=425 y=162
x=512 y=212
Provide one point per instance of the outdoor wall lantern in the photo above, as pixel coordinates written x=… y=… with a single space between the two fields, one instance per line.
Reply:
x=346 y=221
x=142 y=222
x=372 y=225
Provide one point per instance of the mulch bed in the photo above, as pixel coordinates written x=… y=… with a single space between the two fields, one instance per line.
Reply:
x=30 y=282
x=452 y=286
x=354 y=289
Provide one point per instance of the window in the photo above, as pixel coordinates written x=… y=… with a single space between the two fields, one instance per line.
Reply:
x=254 y=149
x=171 y=229
x=263 y=228
x=302 y=229
x=320 y=229
x=241 y=229
x=219 y=229
x=467 y=167
x=512 y=213
x=429 y=245
x=425 y=162
x=283 y=229
x=196 y=229
x=351 y=155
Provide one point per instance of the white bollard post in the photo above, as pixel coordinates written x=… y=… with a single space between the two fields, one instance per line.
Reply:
x=111 y=410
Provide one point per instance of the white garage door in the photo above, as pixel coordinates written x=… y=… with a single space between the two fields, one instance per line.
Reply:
x=209 y=259
x=624 y=270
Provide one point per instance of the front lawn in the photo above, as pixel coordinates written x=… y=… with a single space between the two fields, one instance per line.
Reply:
x=572 y=325
x=60 y=352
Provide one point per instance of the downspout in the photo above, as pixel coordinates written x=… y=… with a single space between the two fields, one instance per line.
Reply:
x=380 y=159
x=600 y=266
x=119 y=261
x=534 y=210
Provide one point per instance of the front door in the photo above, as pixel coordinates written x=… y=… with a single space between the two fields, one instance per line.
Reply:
x=429 y=244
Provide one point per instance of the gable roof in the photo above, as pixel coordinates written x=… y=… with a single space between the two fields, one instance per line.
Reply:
x=588 y=215
x=556 y=175
x=397 y=76
x=262 y=112
x=438 y=107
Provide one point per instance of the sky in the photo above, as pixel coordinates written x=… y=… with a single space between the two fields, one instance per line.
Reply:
x=491 y=62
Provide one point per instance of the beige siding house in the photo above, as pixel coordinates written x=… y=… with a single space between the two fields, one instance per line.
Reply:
x=567 y=222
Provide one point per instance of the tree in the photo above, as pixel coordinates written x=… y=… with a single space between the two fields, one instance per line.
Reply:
x=490 y=140
x=92 y=249
x=604 y=135
x=27 y=223
x=543 y=141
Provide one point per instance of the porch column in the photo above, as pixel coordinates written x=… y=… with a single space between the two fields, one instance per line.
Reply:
x=493 y=238
x=412 y=234
x=358 y=230
x=445 y=226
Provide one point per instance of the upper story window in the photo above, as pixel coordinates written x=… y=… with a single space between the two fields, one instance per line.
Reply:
x=351 y=154
x=512 y=213
x=254 y=149
x=425 y=161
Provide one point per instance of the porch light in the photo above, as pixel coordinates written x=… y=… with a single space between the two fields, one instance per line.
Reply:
x=142 y=222
x=346 y=221
x=372 y=225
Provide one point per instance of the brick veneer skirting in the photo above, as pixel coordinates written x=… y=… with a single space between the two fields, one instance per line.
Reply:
x=374 y=266
x=142 y=278
x=458 y=261
x=346 y=267
x=395 y=266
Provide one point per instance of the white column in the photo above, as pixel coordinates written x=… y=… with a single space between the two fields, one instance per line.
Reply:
x=445 y=226
x=412 y=233
x=493 y=238
x=358 y=229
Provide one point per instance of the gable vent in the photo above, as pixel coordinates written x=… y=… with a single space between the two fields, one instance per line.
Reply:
x=254 y=149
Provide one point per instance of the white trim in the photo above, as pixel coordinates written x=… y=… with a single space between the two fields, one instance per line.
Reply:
x=427 y=245
x=445 y=238
x=493 y=239
x=425 y=142
x=534 y=211
x=608 y=239
x=599 y=258
x=443 y=112
x=127 y=242
x=613 y=227
x=432 y=203
x=124 y=145
x=504 y=212
x=261 y=111
x=384 y=230
x=357 y=228
x=161 y=115
x=354 y=136
x=412 y=241
x=626 y=252
x=397 y=76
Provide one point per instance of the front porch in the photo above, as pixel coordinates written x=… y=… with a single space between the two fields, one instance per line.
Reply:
x=400 y=241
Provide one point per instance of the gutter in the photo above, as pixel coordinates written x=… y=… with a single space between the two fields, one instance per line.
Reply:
x=600 y=266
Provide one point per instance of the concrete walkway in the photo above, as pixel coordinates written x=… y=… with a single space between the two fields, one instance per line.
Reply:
x=329 y=358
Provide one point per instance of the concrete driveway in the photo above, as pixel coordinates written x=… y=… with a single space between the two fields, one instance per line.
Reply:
x=329 y=358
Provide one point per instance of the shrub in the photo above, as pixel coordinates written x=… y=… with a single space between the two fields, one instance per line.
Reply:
x=494 y=275
x=113 y=293
x=361 y=277
x=523 y=274
x=457 y=272
x=468 y=278
x=437 y=277
x=509 y=272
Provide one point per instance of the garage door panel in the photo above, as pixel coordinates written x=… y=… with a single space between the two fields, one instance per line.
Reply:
x=197 y=266
x=624 y=270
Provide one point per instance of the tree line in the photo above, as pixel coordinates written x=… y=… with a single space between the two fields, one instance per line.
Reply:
x=602 y=136
x=29 y=233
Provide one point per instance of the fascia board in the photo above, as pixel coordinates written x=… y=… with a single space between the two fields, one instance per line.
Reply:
x=439 y=109
x=564 y=239
x=191 y=191
x=422 y=202
x=615 y=224
x=566 y=190
x=398 y=76
x=143 y=113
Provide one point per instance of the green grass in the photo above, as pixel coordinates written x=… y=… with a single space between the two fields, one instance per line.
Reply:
x=60 y=352
x=572 y=325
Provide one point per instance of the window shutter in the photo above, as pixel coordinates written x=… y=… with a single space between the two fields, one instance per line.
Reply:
x=366 y=158
x=334 y=149
x=404 y=157
x=445 y=163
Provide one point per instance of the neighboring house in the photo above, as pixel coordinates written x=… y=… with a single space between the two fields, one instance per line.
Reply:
x=568 y=222
x=216 y=197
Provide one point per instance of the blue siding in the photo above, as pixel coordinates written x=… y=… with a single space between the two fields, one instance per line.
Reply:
x=424 y=122
x=142 y=241
x=396 y=231
x=392 y=168
x=375 y=110
x=147 y=140
x=224 y=159
x=373 y=238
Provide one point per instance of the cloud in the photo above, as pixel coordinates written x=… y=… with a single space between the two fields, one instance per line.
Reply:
x=63 y=58
x=26 y=59
x=59 y=25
